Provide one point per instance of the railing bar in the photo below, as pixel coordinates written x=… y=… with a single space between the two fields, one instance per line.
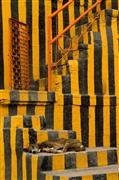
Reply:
x=74 y=22
x=62 y=8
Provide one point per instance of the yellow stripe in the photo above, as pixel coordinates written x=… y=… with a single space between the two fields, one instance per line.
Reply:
x=58 y=117
x=74 y=76
x=113 y=176
x=42 y=136
x=40 y=110
x=91 y=68
x=34 y=162
x=102 y=158
x=6 y=14
x=22 y=11
x=2 y=160
x=116 y=53
x=87 y=177
x=60 y=23
x=21 y=110
x=58 y=162
x=16 y=122
x=13 y=154
x=24 y=166
x=63 y=135
x=49 y=177
x=106 y=122
x=109 y=4
x=92 y=126
x=105 y=81
x=25 y=138
x=35 y=38
x=81 y=160
x=81 y=6
x=47 y=13
x=71 y=19
x=36 y=122
x=76 y=121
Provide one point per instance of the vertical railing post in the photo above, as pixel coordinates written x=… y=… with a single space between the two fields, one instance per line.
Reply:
x=49 y=51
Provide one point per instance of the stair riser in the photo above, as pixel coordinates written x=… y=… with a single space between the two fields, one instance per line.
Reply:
x=36 y=122
x=74 y=160
x=19 y=138
x=94 y=118
x=108 y=176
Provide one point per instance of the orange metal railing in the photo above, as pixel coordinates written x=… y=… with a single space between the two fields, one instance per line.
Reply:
x=52 y=40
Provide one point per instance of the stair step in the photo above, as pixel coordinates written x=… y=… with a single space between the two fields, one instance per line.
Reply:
x=20 y=138
x=95 y=173
x=96 y=157
x=26 y=121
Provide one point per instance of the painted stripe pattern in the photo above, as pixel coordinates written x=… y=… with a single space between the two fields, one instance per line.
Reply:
x=28 y=16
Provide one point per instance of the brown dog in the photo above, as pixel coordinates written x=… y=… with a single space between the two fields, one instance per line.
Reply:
x=57 y=146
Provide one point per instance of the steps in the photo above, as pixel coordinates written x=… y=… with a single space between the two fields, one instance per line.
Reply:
x=93 y=163
x=89 y=173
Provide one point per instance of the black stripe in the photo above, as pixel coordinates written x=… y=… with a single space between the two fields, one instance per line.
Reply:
x=14 y=96
x=27 y=122
x=49 y=114
x=112 y=157
x=85 y=5
x=32 y=136
x=42 y=38
x=28 y=167
x=1 y=50
x=85 y=100
x=99 y=177
x=85 y=124
x=97 y=63
x=29 y=23
x=33 y=96
x=82 y=74
x=71 y=134
x=110 y=60
x=30 y=109
x=14 y=9
x=51 y=96
x=19 y=151
x=66 y=84
x=46 y=163
x=67 y=112
x=7 y=122
x=112 y=122
x=92 y=159
x=52 y=135
x=7 y=154
x=12 y=108
x=54 y=28
x=103 y=5
x=77 y=13
x=70 y=161
x=114 y=4
x=56 y=178
x=66 y=20
x=99 y=121
x=108 y=14
x=43 y=122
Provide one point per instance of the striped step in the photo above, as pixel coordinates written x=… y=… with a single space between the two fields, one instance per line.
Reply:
x=20 y=138
x=97 y=157
x=99 y=173
x=26 y=121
